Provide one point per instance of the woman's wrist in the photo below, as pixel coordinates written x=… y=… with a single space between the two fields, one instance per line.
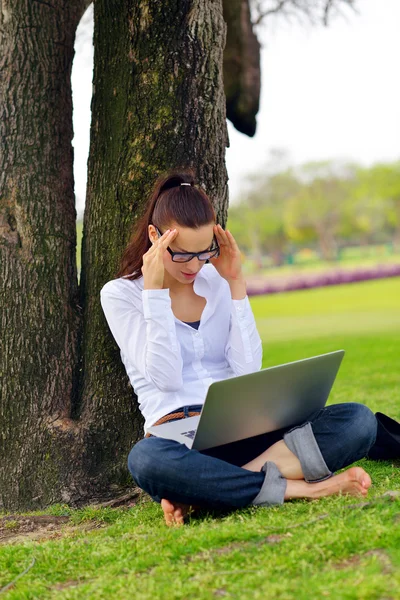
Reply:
x=238 y=288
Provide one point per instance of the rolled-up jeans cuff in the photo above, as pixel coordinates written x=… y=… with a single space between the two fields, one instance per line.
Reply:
x=273 y=488
x=301 y=441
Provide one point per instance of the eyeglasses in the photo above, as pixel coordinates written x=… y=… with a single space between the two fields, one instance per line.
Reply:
x=187 y=256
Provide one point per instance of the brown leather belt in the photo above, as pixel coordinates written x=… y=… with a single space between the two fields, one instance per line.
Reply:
x=176 y=415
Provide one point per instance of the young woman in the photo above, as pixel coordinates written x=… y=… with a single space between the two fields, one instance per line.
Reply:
x=179 y=312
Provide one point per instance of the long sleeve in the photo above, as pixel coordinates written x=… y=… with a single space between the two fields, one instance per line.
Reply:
x=148 y=340
x=243 y=350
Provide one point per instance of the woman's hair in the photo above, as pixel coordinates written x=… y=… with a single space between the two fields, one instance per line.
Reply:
x=169 y=202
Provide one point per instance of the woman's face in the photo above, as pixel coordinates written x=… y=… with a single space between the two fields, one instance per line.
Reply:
x=187 y=240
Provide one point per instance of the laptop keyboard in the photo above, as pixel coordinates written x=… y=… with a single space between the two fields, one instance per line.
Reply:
x=189 y=434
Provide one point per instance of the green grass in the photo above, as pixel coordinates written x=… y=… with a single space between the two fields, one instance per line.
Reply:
x=343 y=310
x=333 y=547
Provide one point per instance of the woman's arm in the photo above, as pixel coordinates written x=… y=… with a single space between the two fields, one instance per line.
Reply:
x=147 y=340
x=243 y=350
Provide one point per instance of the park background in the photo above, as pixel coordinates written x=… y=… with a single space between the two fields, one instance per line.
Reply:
x=329 y=120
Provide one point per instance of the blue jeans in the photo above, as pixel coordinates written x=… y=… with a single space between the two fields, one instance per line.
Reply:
x=332 y=438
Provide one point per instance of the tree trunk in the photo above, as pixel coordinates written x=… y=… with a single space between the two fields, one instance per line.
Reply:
x=40 y=316
x=242 y=77
x=69 y=414
x=278 y=257
x=158 y=103
x=327 y=242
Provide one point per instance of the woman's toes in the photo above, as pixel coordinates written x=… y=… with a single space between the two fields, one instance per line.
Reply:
x=367 y=482
x=179 y=517
x=358 y=481
x=172 y=513
x=175 y=512
x=168 y=509
x=358 y=474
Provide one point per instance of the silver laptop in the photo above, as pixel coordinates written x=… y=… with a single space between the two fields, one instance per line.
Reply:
x=260 y=402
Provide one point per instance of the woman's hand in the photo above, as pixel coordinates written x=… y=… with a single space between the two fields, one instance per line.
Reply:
x=153 y=265
x=229 y=261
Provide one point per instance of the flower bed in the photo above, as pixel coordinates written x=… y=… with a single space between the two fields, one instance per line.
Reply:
x=308 y=281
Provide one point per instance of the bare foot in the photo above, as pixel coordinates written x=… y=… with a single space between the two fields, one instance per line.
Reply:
x=175 y=512
x=355 y=482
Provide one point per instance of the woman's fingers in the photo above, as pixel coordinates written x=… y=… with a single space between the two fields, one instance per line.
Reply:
x=225 y=237
x=220 y=234
x=163 y=241
x=169 y=234
x=166 y=238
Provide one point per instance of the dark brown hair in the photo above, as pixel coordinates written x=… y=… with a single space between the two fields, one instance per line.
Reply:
x=169 y=202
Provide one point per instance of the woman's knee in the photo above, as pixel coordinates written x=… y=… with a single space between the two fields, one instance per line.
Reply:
x=363 y=425
x=152 y=458
x=345 y=432
x=142 y=458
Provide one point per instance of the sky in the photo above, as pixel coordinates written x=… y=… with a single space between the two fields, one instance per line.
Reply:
x=326 y=93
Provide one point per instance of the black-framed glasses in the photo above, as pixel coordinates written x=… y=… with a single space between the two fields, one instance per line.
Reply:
x=187 y=256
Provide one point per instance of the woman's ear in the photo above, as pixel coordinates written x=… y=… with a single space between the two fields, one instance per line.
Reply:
x=152 y=233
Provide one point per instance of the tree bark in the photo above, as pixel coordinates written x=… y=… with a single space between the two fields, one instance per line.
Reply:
x=69 y=415
x=242 y=78
x=39 y=311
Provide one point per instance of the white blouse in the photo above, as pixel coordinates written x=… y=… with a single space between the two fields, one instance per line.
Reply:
x=169 y=363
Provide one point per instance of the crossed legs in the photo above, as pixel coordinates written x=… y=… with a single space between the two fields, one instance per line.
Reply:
x=300 y=465
x=353 y=481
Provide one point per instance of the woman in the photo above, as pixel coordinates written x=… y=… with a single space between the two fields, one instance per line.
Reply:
x=180 y=314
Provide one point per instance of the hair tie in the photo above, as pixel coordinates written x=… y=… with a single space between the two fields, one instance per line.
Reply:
x=186 y=184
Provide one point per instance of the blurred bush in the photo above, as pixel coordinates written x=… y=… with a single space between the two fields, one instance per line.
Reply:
x=321 y=209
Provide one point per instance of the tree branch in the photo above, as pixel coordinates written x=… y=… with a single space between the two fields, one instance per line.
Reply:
x=314 y=10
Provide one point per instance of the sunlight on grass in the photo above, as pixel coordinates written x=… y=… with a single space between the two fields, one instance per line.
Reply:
x=357 y=308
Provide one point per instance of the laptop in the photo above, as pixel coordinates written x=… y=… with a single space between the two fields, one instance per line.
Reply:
x=247 y=405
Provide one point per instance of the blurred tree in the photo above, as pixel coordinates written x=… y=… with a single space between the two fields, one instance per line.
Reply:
x=314 y=213
x=330 y=203
x=362 y=214
x=269 y=203
x=238 y=224
x=378 y=193
x=259 y=215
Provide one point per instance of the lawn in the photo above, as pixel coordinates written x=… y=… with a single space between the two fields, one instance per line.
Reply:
x=335 y=547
